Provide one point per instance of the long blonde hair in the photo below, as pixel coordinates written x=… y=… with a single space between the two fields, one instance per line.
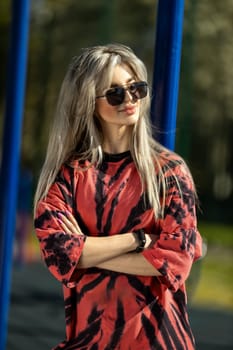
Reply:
x=76 y=132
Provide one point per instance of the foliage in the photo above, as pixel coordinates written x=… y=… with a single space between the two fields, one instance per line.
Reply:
x=217 y=234
x=59 y=29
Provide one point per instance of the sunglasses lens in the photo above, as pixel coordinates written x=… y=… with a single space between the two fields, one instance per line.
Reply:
x=139 y=90
x=115 y=96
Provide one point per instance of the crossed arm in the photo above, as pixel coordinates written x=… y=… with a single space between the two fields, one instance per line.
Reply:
x=113 y=253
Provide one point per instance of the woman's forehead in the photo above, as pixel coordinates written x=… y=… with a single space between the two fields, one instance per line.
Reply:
x=108 y=77
x=122 y=74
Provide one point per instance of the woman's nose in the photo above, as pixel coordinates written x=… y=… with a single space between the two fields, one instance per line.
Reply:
x=128 y=96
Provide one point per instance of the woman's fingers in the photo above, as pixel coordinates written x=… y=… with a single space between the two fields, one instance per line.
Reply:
x=68 y=223
x=63 y=226
x=71 y=219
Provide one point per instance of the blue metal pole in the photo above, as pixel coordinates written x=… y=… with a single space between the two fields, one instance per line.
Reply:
x=16 y=79
x=165 y=86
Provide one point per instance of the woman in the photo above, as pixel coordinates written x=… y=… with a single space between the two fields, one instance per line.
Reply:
x=115 y=211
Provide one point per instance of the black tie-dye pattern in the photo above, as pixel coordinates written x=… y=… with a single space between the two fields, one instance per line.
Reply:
x=118 y=329
x=176 y=211
x=188 y=240
x=109 y=310
x=114 y=203
x=100 y=196
x=119 y=171
x=135 y=214
x=59 y=245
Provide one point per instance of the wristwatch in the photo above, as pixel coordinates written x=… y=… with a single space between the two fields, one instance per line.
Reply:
x=140 y=234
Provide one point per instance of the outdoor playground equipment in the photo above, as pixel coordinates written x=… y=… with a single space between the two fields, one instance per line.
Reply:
x=163 y=113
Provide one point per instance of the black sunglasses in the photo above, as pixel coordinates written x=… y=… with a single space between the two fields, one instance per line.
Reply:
x=116 y=95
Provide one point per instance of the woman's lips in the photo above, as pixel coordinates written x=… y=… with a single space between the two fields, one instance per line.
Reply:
x=129 y=110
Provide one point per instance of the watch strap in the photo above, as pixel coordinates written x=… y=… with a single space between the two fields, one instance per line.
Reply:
x=140 y=234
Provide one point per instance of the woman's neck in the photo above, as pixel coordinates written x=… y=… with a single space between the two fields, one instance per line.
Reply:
x=117 y=141
x=114 y=148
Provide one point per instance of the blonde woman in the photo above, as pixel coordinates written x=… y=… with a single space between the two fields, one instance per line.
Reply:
x=115 y=211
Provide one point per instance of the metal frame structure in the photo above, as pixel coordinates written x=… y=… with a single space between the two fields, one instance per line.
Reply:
x=167 y=58
x=163 y=112
x=16 y=80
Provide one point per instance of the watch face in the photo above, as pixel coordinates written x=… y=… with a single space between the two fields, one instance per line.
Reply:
x=142 y=237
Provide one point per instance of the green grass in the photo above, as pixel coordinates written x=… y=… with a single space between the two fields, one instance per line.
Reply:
x=211 y=280
x=217 y=234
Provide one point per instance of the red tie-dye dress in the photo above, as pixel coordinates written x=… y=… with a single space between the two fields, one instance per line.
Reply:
x=107 y=310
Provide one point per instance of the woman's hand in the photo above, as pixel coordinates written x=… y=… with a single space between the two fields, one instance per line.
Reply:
x=69 y=224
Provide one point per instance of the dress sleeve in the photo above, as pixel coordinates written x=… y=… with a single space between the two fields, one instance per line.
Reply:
x=179 y=243
x=61 y=251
